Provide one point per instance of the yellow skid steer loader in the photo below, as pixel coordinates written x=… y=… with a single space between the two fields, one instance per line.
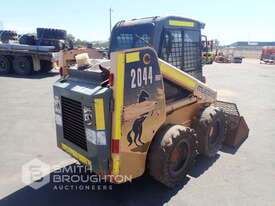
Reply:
x=142 y=109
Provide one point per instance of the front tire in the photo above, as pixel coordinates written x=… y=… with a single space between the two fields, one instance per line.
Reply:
x=210 y=128
x=172 y=154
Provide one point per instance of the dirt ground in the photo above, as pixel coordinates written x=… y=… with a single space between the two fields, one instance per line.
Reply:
x=243 y=176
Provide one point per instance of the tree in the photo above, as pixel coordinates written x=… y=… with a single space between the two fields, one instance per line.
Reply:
x=104 y=44
x=84 y=43
x=70 y=37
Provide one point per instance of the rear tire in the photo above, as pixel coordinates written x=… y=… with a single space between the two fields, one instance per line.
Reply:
x=210 y=128
x=46 y=66
x=172 y=154
x=22 y=65
x=5 y=65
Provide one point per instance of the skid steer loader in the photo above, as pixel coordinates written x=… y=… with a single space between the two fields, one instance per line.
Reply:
x=146 y=107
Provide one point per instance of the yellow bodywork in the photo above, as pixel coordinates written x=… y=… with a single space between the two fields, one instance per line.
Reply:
x=131 y=160
x=76 y=155
x=181 y=23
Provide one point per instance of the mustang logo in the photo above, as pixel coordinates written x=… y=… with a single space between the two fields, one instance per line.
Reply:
x=137 y=126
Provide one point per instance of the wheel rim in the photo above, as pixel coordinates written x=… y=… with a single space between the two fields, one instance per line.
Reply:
x=22 y=65
x=20 y=68
x=179 y=158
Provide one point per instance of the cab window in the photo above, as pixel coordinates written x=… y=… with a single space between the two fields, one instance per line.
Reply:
x=191 y=50
x=172 y=45
x=131 y=37
x=181 y=48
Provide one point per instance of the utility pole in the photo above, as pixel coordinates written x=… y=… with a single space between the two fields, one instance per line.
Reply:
x=110 y=14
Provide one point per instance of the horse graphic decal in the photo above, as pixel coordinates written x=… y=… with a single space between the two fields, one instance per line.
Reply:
x=134 y=135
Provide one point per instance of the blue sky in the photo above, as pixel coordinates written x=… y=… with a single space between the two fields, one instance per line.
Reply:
x=228 y=21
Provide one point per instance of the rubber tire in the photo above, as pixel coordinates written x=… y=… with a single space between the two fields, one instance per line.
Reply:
x=46 y=66
x=27 y=64
x=165 y=141
x=58 y=44
x=7 y=63
x=207 y=119
x=6 y=35
x=27 y=39
x=46 y=33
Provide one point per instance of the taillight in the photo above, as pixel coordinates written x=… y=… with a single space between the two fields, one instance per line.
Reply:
x=61 y=72
x=115 y=146
x=111 y=79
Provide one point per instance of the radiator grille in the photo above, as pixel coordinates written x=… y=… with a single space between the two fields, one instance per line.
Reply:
x=73 y=124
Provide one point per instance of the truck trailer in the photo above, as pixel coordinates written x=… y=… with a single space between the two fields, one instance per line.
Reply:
x=26 y=54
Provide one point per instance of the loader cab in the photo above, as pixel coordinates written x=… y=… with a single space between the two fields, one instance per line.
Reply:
x=177 y=40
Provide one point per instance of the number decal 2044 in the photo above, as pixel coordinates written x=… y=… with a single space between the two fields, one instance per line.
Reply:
x=140 y=77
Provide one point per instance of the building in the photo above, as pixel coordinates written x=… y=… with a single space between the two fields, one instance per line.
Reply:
x=252 y=44
x=248 y=49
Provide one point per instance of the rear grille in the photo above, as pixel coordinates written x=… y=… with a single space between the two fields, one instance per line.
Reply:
x=73 y=124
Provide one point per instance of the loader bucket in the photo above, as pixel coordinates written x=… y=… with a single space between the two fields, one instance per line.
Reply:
x=236 y=129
